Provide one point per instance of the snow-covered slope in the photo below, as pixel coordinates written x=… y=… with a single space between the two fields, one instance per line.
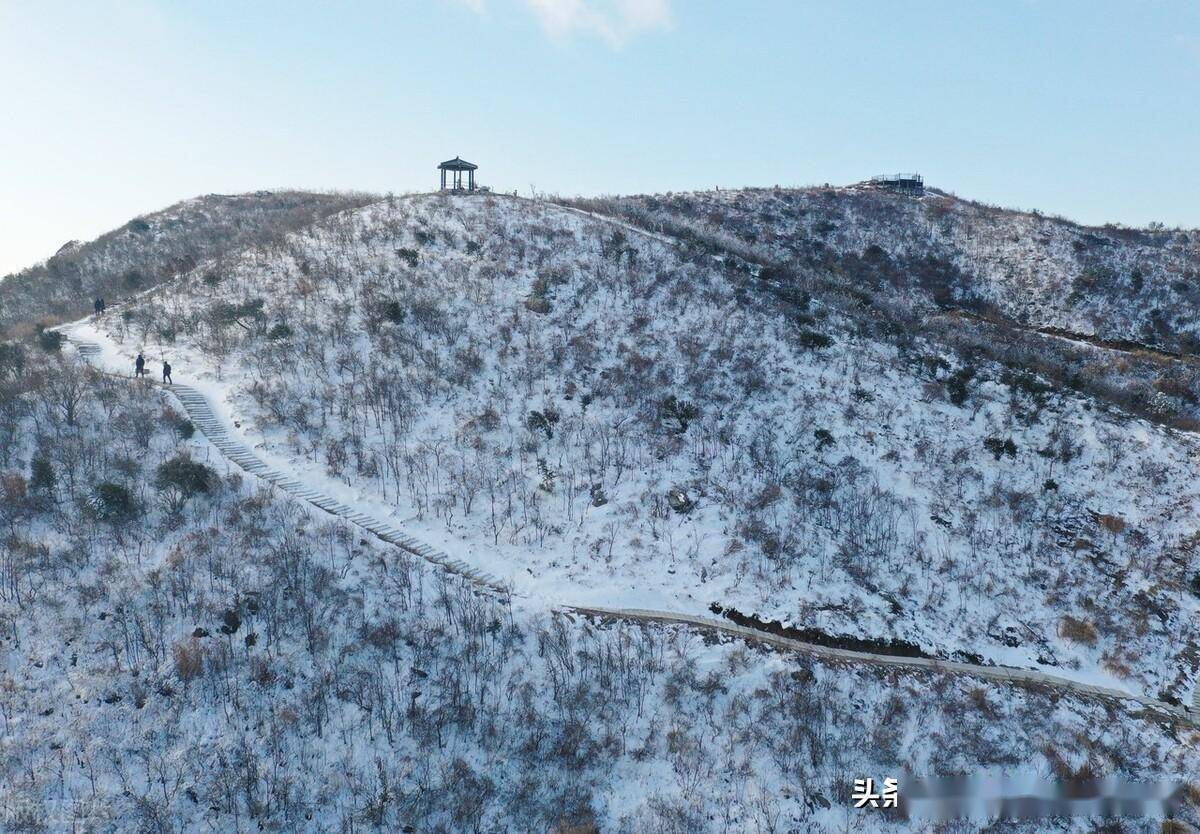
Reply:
x=154 y=248
x=603 y=417
x=1118 y=283
x=184 y=649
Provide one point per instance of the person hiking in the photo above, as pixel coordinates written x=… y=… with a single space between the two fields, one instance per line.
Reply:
x=167 y=373
x=98 y=306
x=139 y=366
x=103 y=306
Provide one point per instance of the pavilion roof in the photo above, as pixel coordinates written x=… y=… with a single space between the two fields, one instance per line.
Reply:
x=457 y=164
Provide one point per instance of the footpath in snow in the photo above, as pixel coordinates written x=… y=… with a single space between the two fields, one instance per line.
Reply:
x=94 y=346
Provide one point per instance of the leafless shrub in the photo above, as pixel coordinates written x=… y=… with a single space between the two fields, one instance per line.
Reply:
x=1077 y=630
x=189 y=659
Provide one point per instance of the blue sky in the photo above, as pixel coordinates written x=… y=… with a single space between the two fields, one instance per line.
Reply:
x=1088 y=109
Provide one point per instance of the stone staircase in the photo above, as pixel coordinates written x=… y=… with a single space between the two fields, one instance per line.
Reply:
x=200 y=412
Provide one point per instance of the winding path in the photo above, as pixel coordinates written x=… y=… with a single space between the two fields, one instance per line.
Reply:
x=202 y=415
x=200 y=412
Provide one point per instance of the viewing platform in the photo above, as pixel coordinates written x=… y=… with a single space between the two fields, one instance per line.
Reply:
x=901 y=183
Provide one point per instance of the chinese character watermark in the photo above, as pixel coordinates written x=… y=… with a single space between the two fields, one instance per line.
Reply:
x=865 y=795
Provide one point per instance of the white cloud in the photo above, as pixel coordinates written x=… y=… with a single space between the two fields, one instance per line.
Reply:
x=614 y=21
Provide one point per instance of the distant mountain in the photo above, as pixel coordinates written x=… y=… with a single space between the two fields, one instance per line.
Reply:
x=153 y=248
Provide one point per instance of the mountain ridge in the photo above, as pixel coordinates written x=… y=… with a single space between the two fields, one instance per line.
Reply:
x=152 y=248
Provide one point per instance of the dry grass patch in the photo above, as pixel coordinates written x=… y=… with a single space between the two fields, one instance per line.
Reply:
x=1112 y=523
x=189 y=659
x=1114 y=663
x=1077 y=630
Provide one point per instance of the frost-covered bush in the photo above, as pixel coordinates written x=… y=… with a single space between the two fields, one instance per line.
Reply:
x=50 y=340
x=181 y=478
x=113 y=502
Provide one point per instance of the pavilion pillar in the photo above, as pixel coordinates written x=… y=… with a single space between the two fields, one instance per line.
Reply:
x=452 y=173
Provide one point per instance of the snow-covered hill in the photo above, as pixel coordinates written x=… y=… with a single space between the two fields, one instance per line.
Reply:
x=184 y=649
x=600 y=416
x=1032 y=293
x=154 y=248
x=1140 y=285
x=680 y=419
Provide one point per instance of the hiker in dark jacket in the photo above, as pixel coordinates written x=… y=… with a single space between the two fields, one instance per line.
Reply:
x=139 y=366
x=103 y=306
x=167 y=373
x=98 y=306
